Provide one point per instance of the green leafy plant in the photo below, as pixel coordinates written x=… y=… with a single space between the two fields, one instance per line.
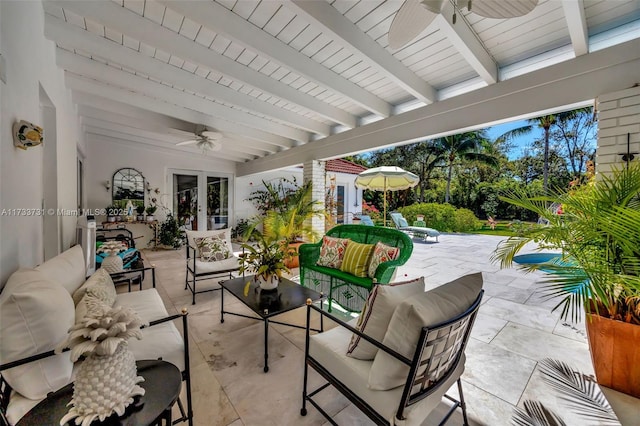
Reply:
x=151 y=209
x=266 y=257
x=598 y=234
x=140 y=209
x=171 y=233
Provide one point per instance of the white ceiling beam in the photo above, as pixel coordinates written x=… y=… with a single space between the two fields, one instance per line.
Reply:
x=223 y=21
x=576 y=80
x=163 y=148
x=110 y=75
x=159 y=127
x=577 y=25
x=230 y=150
x=122 y=113
x=73 y=36
x=465 y=40
x=101 y=123
x=127 y=22
x=95 y=88
x=333 y=23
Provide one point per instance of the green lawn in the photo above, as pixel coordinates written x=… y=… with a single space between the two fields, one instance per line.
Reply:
x=502 y=228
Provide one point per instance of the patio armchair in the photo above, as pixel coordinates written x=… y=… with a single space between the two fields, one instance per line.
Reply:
x=419 y=359
x=415 y=231
x=200 y=269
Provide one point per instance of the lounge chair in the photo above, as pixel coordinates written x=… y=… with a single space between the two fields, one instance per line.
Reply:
x=366 y=220
x=415 y=231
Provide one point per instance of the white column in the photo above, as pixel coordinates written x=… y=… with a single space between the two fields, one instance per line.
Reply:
x=618 y=116
x=314 y=171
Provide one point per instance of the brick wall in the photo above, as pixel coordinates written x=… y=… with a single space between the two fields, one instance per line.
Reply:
x=618 y=116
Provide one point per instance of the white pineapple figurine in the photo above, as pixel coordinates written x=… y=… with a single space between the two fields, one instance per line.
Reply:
x=107 y=379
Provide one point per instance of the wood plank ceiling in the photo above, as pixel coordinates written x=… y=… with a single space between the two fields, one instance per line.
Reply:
x=272 y=75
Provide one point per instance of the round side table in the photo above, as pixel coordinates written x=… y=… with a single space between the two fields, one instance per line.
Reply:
x=162 y=382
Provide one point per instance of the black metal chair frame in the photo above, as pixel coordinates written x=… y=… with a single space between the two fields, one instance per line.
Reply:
x=458 y=328
x=196 y=276
x=185 y=416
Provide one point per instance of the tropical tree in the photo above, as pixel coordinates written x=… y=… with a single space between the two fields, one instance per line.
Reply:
x=464 y=146
x=545 y=123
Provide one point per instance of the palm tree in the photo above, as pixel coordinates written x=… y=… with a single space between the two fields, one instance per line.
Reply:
x=466 y=146
x=545 y=123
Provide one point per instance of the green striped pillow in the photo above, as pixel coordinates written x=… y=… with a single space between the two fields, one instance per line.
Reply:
x=356 y=259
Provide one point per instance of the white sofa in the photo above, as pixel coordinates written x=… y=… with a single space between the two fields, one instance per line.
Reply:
x=36 y=311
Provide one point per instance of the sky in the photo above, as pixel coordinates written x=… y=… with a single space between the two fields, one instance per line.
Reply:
x=520 y=142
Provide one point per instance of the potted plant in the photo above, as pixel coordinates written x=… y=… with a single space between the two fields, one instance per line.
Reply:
x=598 y=235
x=288 y=218
x=140 y=211
x=150 y=211
x=265 y=259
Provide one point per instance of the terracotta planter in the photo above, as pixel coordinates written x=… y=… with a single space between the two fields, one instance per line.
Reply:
x=615 y=353
x=294 y=261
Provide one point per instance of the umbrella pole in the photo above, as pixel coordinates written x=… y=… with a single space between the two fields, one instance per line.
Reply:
x=384 y=203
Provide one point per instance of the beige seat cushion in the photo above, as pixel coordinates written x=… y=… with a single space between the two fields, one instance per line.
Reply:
x=159 y=341
x=377 y=312
x=35 y=316
x=329 y=349
x=428 y=309
x=202 y=267
x=67 y=269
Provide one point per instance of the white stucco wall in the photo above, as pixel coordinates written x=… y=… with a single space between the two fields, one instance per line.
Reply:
x=30 y=63
x=105 y=157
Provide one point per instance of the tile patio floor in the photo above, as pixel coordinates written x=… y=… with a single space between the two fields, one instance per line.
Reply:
x=515 y=329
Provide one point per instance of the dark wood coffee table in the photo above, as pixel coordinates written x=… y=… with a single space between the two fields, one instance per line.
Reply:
x=162 y=382
x=268 y=303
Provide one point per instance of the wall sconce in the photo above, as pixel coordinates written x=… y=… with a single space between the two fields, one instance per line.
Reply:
x=107 y=185
x=148 y=187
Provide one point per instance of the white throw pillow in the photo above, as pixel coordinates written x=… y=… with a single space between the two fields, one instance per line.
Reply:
x=103 y=283
x=428 y=309
x=35 y=316
x=67 y=269
x=376 y=314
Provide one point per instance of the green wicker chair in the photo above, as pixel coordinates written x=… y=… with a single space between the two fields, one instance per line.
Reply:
x=347 y=290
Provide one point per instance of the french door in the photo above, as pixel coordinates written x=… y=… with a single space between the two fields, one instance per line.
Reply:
x=201 y=200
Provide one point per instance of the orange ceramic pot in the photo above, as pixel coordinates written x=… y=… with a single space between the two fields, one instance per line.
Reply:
x=615 y=353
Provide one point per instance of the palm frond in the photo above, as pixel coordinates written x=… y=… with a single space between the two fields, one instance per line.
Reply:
x=580 y=391
x=535 y=413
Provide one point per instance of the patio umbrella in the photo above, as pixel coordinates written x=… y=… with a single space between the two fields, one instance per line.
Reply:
x=386 y=178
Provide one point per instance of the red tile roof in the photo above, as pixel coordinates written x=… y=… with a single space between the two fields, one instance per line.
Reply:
x=343 y=166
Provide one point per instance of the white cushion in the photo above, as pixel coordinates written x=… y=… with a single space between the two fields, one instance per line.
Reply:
x=159 y=341
x=35 y=316
x=329 y=349
x=377 y=312
x=224 y=234
x=19 y=406
x=67 y=269
x=99 y=285
x=201 y=267
x=428 y=309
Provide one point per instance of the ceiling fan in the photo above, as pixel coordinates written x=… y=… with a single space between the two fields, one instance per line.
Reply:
x=206 y=140
x=415 y=15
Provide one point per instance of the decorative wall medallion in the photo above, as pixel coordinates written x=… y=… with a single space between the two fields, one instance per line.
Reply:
x=26 y=135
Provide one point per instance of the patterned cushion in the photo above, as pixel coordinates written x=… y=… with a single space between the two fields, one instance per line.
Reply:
x=332 y=251
x=356 y=259
x=382 y=253
x=377 y=312
x=212 y=249
x=100 y=277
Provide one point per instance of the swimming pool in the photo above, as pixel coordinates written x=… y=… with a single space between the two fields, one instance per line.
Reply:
x=537 y=258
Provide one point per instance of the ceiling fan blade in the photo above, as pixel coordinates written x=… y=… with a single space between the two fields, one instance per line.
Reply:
x=191 y=142
x=502 y=9
x=410 y=20
x=211 y=134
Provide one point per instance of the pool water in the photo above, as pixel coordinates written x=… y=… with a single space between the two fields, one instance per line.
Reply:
x=538 y=258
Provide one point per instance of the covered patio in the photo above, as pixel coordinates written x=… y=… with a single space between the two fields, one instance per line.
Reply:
x=123 y=83
x=515 y=329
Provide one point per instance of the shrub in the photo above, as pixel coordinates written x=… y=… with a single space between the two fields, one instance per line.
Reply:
x=443 y=217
